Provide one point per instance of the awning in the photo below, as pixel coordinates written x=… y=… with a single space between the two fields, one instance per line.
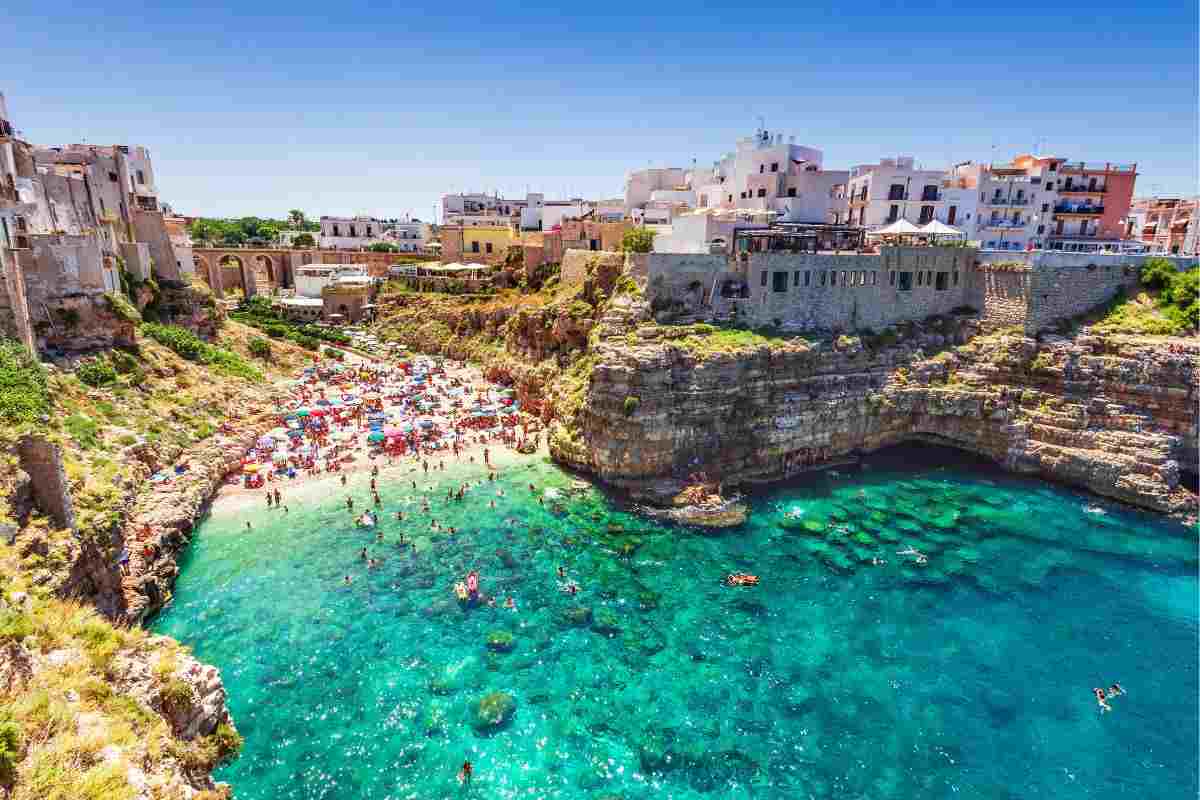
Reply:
x=898 y=228
x=940 y=229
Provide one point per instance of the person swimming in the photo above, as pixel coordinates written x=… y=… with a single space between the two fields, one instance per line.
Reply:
x=510 y=603
x=1101 y=699
x=473 y=583
x=464 y=774
x=741 y=579
x=363 y=554
x=348 y=580
x=1115 y=690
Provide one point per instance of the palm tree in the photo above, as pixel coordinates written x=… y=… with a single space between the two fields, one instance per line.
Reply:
x=296 y=217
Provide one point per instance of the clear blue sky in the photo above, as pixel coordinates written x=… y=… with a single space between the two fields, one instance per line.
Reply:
x=346 y=107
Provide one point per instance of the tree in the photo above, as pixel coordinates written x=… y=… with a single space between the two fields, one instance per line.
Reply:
x=383 y=247
x=296 y=219
x=638 y=240
x=304 y=240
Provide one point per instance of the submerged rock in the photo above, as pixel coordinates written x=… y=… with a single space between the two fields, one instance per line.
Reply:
x=606 y=622
x=500 y=642
x=492 y=712
x=576 y=616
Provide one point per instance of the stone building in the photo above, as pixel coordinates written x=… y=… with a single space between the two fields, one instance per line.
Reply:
x=1169 y=225
x=856 y=291
x=72 y=219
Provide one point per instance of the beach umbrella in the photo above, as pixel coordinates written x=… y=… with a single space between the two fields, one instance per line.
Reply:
x=322 y=402
x=266 y=440
x=250 y=468
x=392 y=430
x=279 y=456
x=425 y=423
x=302 y=412
x=317 y=412
x=376 y=436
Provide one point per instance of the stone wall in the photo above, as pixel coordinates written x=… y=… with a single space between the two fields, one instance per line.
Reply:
x=575 y=264
x=41 y=459
x=1060 y=291
x=149 y=229
x=1001 y=292
x=807 y=291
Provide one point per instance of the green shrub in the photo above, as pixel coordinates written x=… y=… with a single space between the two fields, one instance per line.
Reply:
x=1158 y=273
x=638 y=240
x=24 y=396
x=176 y=694
x=84 y=430
x=631 y=404
x=181 y=340
x=96 y=372
x=10 y=750
x=122 y=361
x=260 y=348
x=119 y=306
x=15 y=625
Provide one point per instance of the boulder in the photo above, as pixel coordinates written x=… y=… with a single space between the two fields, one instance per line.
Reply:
x=492 y=712
x=500 y=642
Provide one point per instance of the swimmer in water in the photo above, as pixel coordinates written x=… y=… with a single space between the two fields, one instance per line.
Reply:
x=363 y=554
x=510 y=603
x=1102 y=700
x=1115 y=690
x=464 y=774
x=247 y=524
x=348 y=580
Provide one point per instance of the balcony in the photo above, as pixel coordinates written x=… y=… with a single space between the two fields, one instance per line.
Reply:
x=1095 y=166
x=1080 y=210
x=1006 y=201
x=1004 y=224
x=1082 y=190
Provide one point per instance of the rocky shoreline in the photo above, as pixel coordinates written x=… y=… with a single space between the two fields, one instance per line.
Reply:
x=1113 y=415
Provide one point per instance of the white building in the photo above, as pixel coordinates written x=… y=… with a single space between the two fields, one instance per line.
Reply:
x=763 y=173
x=641 y=184
x=894 y=189
x=409 y=236
x=311 y=279
x=352 y=233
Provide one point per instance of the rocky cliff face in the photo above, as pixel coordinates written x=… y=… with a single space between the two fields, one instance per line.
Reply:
x=1114 y=415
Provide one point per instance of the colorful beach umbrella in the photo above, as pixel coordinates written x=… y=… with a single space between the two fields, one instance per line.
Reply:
x=376 y=436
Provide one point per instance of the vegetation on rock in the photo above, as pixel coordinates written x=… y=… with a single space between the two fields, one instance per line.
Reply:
x=24 y=396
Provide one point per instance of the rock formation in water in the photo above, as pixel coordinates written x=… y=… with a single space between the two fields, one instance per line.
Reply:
x=1116 y=415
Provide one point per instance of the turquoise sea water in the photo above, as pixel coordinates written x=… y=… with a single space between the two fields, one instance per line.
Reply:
x=967 y=677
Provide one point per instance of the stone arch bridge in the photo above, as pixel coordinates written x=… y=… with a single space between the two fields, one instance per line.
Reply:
x=252 y=270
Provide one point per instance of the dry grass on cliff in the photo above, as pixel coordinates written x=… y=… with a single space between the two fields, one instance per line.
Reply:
x=710 y=340
x=1142 y=314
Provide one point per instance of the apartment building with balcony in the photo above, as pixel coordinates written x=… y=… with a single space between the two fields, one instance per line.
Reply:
x=765 y=173
x=894 y=189
x=1093 y=201
x=1166 y=225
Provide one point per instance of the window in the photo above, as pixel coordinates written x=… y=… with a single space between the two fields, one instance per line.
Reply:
x=142 y=177
x=795 y=278
x=893 y=213
x=352 y=233
x=1045 y=207
x=368 y=230
x=822 y=278
x=112 y=176
x=762 y=167
x=843 y=277
x=743 y=195
x=791 y=191
x=593 y=244
x=956 y=277
x=891 y=277
x=920 y=277
x=779 y=281
x=487 y=247
x=873 y=276
x=951 y=215
x=1053 y=166
x=474 y=247
x=926 y=215
x=704 y=201
x=930 y=192
x=943 y=281
x=895 y=192
x=806 y=278
x=762 y=192
x=862 y=195
x=905 y=282
x=762 y=279
x=775 y=167
x=992 y=244
x=1041 y=229
x=336 y=231
x=731 y=198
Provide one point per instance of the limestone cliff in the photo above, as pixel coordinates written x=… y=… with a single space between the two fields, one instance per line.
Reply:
x=1114 y=415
